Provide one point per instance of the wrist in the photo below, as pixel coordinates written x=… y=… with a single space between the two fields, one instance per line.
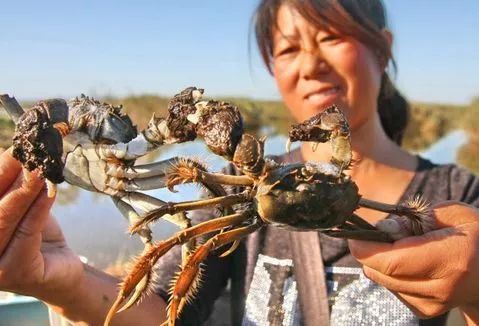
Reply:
x=88 y=301
x=66 y=288
x=72 y=302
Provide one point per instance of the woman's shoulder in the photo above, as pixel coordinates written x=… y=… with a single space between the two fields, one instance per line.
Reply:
x=445 y=182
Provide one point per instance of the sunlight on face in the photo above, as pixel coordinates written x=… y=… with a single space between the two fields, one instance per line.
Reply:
x=315 y=68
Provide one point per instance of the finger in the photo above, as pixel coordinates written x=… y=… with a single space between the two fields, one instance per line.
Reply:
x=9 y=170
x=423 y=288
x=422 y=308
x=52 y=232
x=409 y=256
x=16 y=202
x=453 y=213
x=420 y=298
x=28 y=235
x=401 y=298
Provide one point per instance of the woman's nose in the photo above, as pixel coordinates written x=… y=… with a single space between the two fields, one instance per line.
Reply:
x=312 y=65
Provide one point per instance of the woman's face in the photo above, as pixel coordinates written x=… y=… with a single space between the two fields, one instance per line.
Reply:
x=315 y=68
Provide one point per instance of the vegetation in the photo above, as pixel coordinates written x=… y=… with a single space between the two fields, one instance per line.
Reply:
x=468 y=153
x=430 y=122
x=6 y=132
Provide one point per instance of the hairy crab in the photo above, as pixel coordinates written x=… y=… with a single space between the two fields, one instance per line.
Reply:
x=93 y=145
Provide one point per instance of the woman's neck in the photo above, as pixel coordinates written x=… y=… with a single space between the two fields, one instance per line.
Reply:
x=371 y=147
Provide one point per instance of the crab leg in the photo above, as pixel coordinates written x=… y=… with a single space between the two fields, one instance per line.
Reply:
x=149 y=204
x=361 y=223
x=146 y=262
x=161 y=168
x=357 y=228
x=368 y=235
x=132 y=216
x=184 y=172
x=173 y=208
x=155 y=175
x=12 y=107
x=163 y=174
x=145 y=235
x=187 y=283
x=415 y=209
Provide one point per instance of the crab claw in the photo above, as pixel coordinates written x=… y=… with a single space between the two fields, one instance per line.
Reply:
x=288 y=145
x=139 y=290
x=137 y=281
x=134 y=298
x=37 y=144
x=113 y=310
x=130 y=293
x=12 y=107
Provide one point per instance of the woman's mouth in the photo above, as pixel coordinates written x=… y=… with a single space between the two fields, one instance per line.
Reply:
x=323 y=97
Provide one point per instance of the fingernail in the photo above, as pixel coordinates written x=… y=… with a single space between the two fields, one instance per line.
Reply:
x=27 y=175
x=32 y=176
x=51 y=189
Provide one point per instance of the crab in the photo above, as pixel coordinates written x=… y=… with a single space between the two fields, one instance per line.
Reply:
x=310 y=196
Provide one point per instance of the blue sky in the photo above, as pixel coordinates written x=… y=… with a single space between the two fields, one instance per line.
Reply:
x=63 y=48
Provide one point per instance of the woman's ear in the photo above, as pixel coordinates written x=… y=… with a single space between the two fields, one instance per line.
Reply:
x=388 y=36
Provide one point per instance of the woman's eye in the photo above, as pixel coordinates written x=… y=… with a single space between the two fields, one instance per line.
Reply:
x=330 y=38
x=285 y=51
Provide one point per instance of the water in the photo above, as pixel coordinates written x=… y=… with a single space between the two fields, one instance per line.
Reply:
x=33 y=313
x=444 y=150
x=95 y=229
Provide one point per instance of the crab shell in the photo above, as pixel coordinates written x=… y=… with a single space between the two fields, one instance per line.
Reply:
x=103 y=122
x=306 y=197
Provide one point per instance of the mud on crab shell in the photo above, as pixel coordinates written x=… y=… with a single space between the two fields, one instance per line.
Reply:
x=298 y=196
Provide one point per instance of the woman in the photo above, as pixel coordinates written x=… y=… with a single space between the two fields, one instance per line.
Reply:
x=319 y=52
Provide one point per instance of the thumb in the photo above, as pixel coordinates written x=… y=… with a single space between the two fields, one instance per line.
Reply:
x=449 y=215
x=453 y=213
x=28 y=235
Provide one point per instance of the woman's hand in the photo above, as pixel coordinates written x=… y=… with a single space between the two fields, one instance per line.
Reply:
x=432 y=273
x=34 y=258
